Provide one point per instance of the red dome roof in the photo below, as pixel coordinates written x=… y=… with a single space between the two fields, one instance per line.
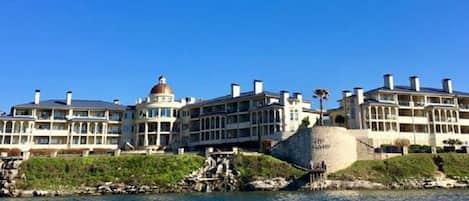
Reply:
x=161 y=87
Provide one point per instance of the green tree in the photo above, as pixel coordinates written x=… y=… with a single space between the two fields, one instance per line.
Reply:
x=322 y=95
x=305 y=123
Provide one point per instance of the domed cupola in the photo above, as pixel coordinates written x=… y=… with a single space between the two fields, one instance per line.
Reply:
x=161 y=87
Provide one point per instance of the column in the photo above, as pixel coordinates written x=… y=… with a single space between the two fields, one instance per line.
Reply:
x=79 y=132
x=95 y=131
x=158 y=130
x=145 y=143
x=383 y=109
x=369 y=118
x=21 y=131
x=70 y=136
x=171 y=133
x=12 y=131
x=4 y=131
x=104 y=136
x=29 y=136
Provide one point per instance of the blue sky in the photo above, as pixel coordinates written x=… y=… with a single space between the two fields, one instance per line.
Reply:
x=116 y=49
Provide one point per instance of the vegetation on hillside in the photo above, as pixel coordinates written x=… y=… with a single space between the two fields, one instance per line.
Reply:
x=413 y=166
x=455 y=165
x=72 y=173
x=264 y=166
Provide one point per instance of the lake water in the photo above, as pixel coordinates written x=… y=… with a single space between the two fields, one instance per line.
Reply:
x=433 y=195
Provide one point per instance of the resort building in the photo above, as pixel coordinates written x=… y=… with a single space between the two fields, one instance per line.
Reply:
x=158 y=121
x=155 y=117
x=422 y=115
x=244 y=119
x=62 y=124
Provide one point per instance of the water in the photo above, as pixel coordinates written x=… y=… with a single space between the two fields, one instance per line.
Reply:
x=434 y=195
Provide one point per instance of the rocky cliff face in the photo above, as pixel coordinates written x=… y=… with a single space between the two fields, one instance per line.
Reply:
x=218 y=174
x=8 y=175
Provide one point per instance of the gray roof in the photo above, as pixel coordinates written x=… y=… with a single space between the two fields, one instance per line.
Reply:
x=241 y=95
x=423 y=90
x=9 y=117
x=78 y=104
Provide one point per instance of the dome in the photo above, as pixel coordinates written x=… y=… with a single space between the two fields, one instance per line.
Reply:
x=161 y=87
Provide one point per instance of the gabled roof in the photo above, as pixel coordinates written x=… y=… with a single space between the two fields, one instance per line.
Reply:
x=241 y=95
x=423 y=90
x=78 y=104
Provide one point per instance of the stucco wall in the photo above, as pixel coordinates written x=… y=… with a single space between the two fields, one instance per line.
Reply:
x=333 y=145
x=295 y=149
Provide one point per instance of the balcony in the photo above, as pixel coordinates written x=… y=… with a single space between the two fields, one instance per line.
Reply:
x=405 y=103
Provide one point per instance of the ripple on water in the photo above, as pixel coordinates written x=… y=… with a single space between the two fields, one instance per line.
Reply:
x=434 y=195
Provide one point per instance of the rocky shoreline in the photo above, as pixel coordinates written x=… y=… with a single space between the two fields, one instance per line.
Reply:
x=274 y=184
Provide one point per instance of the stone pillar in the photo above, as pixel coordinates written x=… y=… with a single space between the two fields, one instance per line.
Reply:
x=54 y=154
x=235 y=150
x=149 y=152
x=180 y=151
x=117 y=152
x=208 y=150
x=85 y=153
x=26 y=155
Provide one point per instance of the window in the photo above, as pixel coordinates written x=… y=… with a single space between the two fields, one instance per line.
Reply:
x=152 y=112
x=142 y=113
x=59 y=115
x=80 y=113
x=165 y=127
x=165 y=112
x=115 y=116
x=152 y=127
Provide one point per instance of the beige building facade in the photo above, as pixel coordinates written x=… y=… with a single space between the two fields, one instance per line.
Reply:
x=62 y=124
x=244 y=117
x=422 y=115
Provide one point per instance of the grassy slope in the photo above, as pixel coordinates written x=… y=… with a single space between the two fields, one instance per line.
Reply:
x=456 y=164
x=413 y=166
x=71 y=173
x=264 y=166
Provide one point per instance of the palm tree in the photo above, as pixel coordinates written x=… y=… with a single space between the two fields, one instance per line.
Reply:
x=322 y=95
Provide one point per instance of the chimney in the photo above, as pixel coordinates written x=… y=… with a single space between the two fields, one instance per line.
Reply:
x=258 y=86
x=284 y=96
x=37 y=96
x=139 y=100
x=298 y=96
x=415 y=83
x=235 y=90
x=359 y=95
x=389 y=81
x=346 y=93
x=69 y=98
x=116 y=101
x=183 y=101
x=448 y=85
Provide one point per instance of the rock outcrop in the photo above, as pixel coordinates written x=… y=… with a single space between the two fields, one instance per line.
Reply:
x=218 y=174
x=8 y=174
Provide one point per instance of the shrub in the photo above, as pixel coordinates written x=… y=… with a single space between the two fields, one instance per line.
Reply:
x=14 y=152
x=42 y=152
x=101 y=151
x=388 y=148
x=416 y=148
x=72 y=151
